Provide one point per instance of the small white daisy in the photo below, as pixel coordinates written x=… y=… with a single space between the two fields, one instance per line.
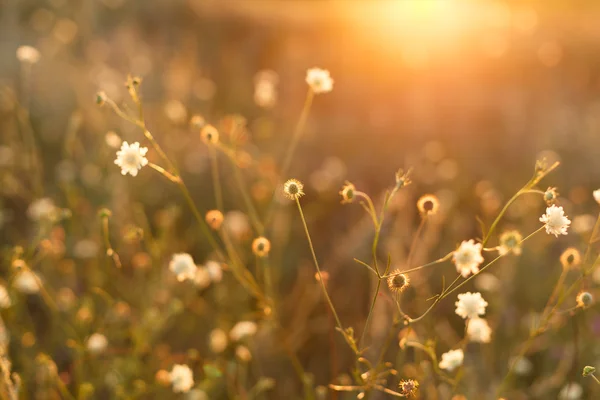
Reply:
x=96 y=343
x=452 y=360
x=596 y=194
x=242 y=329
x=470 y=305
x=571 y=391
x=555 y=221
x=467 y=257
x=131 y=158
x=182 y=378
x=319 y=80
x=478 y=330
x=182 y=265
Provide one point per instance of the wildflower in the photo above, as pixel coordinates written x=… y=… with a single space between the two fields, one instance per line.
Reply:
x=478 y=330
x=42 y=209
x=467 y=257
x=596 y=194
x=218 y=340
x=243 y=354
x=319 y=80
x=261 y=246
x=214 y=219
x=197 y=121
x=408 y=387
x=550 y=195
x=510 y=242
x=588 y=370
x=214 y=271
x=209 y=134
x=470 y=305
x=452 y=360
x=96 y=343
x=293 y=189
x=428 y=205
x=4 y=298
x=555 y=221
x=182 y=264
x=398 y=282
x=571 y=391
x=181 y=378
x=28 y=55
x=131 y=158
x=27 y=282
x=202 y=278
x=347 y=193
x=242 y=329
x=584 y=299
x=570 y=258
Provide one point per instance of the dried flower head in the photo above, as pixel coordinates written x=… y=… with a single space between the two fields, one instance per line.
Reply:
x=470 y=305
x=214 y=219
x=467 y=257
x=428 y=205
x=347 y=192
x=478 y=330
x=585 y=299
x=510 y=242
x=131 y=158
x=28 y=55
x=402 y=179
x=408 y=387
x=550 y=195
x=319 y=80
x=555 y=221
x=101 y=98
x=570 y=258
x=261 y=246
x=452 y=360
x=209 y=134
x=588 y=370
x=293 y=189
x=398 y=282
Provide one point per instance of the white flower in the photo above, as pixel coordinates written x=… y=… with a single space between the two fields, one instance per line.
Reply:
x=478 y=330
x=555 y=221
x=41 y=209
x=596 y=194
x=218 y=340
x=26 y=282
x=4 y=298
x=181 y=378
x=182 y=264
x=470 y=305
x=214 y=271
x=242 y=329
x=571 y=391
x=467 y=257
x=131 y=158
x=452 y=360
x=28 y=54
x=96 y=343
x=202 y=278
x=319 y=80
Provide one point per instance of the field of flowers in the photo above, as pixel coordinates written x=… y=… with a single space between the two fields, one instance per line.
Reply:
x=303 y=199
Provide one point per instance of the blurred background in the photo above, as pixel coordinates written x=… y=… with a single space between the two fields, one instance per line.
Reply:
x=468 y=93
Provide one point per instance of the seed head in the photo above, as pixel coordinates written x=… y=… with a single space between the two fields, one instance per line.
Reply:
x=209 y=134
x=588 y=370
x=214 y=219
x=402 y=179
x=408 y=387
x=570 y=258
x=347 y=192
x=585 y=299
x=510 y=242
x=293 y=189
x=261 y=246
x=428 y=205
x=101 y=98
x=398 y=282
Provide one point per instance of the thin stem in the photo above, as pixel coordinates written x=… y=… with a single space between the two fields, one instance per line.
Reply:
x=596 y=379
x=299 y=129
x=321 y=281
x=499 y=217
x=247 y=200
x=439 y=260
x=215 y=177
